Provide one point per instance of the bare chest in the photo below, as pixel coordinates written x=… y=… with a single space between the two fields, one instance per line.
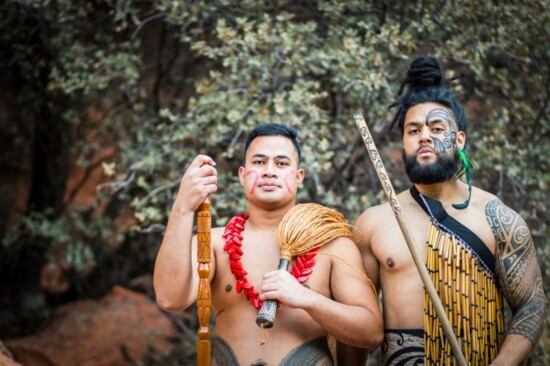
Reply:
x=260 y=255
x=236 y=314
x=393 y=252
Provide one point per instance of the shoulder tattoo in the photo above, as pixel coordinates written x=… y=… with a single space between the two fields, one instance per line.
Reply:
x=517 y=270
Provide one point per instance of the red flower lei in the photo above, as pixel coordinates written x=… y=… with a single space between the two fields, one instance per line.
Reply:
x=232 y=234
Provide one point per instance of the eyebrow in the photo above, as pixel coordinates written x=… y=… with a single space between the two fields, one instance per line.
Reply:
x=415 y=123
x=440 y=116
x=276 y=157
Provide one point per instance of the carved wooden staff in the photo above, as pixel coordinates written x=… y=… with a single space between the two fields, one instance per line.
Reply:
x=398 y=212
x=204 y=298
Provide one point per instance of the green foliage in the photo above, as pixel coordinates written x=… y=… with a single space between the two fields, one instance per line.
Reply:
x=68 y=237
x=94 y=69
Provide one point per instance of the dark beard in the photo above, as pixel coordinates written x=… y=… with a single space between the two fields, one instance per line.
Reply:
x=445 y=168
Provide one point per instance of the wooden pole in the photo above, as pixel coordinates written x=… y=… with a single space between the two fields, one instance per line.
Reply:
x=204 y=297
x=413 y=247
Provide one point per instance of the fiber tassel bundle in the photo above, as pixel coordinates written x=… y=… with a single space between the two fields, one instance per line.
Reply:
x=304 y=227
x=308 y=226
x=471 y=298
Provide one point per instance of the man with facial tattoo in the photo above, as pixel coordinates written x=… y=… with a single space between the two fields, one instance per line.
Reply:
x=478 y=251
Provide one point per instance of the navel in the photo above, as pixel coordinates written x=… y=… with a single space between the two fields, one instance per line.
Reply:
x=390 y=262
x=228 y=288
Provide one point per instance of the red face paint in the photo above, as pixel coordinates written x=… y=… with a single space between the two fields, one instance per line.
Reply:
x=255 y=183
x=286 y=178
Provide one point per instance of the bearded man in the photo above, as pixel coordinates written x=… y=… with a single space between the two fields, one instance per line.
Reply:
x=477 y=249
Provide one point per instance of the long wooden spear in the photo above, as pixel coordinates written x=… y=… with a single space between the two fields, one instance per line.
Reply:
x=413 y=247
x=204 y=297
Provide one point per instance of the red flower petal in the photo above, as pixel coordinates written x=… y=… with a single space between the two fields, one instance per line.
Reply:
x=302 y=279
x=309 y=263
x=236 y=265
x=239 y=273
x=300 y=263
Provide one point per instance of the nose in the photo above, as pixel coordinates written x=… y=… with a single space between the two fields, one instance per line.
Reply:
x=425 y=136
x=269 y=170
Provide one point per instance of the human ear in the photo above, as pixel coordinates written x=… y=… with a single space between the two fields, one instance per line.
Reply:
x=461 y=139
x=299 y=176
x=241 y=175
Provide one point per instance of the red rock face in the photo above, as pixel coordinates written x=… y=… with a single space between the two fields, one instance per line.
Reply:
x=115 y=330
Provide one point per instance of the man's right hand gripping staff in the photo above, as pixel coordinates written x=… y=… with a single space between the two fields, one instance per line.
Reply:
x=175 y=277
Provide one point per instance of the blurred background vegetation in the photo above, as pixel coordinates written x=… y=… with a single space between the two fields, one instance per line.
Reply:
x=104 y=103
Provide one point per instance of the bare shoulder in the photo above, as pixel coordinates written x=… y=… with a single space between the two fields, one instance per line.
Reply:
x=341 y=245
x=507 y=225
x=343 y=255
x=493 y=208
x=372 y=216
x=377 y=220
x=480 y=202
x=481 y=198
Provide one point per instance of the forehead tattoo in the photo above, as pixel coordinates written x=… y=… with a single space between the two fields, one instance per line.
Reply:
x=440 y=114
x=449 y=137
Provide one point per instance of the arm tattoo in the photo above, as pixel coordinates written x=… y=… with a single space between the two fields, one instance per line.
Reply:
x=517 y=270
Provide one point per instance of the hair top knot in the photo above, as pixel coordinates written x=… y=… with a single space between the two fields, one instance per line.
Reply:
x=425 y=83
x=423 y=72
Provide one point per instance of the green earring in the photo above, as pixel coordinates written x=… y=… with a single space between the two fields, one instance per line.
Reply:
x=466 y=167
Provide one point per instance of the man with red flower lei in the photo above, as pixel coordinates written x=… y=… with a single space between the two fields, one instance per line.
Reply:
x=333 y=299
